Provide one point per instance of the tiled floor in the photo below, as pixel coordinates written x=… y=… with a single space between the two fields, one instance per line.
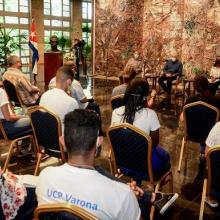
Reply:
x=188 y=183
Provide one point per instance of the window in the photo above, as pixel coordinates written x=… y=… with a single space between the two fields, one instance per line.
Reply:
x=57 y=21
x=87 y=25
x=14 y=20
x=87 y=10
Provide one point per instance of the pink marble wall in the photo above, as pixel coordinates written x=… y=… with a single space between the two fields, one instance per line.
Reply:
x=119 y=28
x=156 y=27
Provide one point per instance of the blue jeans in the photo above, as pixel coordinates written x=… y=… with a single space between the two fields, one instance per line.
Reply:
x=16 y=127
x=160 y=158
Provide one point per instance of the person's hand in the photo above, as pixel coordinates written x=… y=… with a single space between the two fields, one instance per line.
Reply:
x=168 y=74
x=137 y=190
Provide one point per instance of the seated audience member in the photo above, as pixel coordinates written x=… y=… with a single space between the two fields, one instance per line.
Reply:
x=202 y=94
x=171 y=70
x=212 y=140
x=138 y=114
x=215 y=76
x=76 y=91
x=69 y=182
x=57 y=99
x=13 y=124
x=28 y=92
x=125 y=79
x=135 y=63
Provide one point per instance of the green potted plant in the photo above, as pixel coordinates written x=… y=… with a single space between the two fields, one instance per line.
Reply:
x=9 y=43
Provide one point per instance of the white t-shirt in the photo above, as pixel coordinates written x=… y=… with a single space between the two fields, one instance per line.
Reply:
x=78 y=93
x=59 y=102
x=213 y=138
x=105 y=198
x=215 y=72
x=3 y=101
x=145 y=119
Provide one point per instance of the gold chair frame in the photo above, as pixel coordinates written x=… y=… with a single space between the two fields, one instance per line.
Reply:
x=39 y=152
x=64 y=207
x=185 y=137
x=12 y=144
x=156 y=185
x=207 y=181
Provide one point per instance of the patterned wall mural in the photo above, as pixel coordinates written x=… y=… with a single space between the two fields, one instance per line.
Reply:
x=156 y=27
x=119 y=29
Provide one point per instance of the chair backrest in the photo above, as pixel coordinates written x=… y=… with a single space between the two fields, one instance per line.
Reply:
x=131 y=151
x=213 y=162
x=2 y=132
x=199 y=118
x=117 y=101
x=62 y=211
x=46 y=127
x=12 y=93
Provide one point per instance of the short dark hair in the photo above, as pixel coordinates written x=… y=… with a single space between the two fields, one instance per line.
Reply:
x=81 y=129
x=64 y=73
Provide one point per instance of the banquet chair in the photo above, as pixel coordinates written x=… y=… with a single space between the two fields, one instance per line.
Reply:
x=117 y=101
x=13 y=95
x=211 y=184
x=13 y=141
x=46 y=127
x=199 y=118
x=62 y=211
x=131 y=155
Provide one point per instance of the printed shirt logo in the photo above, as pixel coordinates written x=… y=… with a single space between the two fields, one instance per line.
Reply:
x=54 y=194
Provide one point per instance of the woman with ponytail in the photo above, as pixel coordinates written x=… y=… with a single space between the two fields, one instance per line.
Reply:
x=136 y=112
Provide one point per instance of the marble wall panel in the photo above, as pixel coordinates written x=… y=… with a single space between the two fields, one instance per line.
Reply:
x=156 y=27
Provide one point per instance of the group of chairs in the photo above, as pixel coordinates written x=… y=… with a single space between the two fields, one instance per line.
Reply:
x=199 y=118
x=124 y=155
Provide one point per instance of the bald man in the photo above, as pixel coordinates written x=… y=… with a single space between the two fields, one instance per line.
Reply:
x=171 y=70
x=28 y=92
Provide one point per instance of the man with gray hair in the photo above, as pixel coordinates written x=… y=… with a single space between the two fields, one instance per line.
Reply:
x=29 y=93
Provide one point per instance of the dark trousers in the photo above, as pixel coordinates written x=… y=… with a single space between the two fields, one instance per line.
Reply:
x=166 y=83
x=77 y=68
x=95 y=107
x=213 y=87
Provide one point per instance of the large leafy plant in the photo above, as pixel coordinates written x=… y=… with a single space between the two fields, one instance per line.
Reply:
x=9 y=43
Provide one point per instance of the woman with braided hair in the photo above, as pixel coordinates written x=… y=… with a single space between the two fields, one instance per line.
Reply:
x=136 y=112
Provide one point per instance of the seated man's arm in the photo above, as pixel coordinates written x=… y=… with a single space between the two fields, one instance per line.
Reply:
x=180 y=70
x=28 y=86
x=165 y=68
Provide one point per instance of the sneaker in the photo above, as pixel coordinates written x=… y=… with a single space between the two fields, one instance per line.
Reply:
x=211 y=202
x=24 y=151
x=165 y=202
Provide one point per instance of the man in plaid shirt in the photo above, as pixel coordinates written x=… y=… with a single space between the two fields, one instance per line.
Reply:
x=29 y=93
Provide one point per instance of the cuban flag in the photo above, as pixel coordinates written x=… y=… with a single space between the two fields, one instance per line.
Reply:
x=33 y=46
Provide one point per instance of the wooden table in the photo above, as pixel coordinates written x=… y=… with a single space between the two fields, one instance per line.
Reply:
x=153 y=77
